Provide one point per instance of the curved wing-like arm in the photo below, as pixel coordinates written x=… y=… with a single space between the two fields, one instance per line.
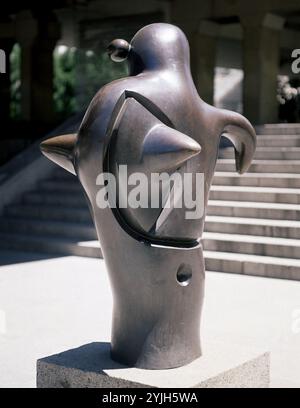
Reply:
x=243 y=137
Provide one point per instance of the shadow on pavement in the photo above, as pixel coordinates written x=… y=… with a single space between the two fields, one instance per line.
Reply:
x=8 y=257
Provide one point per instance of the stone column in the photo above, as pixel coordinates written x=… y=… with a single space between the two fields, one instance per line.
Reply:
x=42 y=70
x=37 y=39
x=203 y=43
x=26 y=31
x=261 y=51
x=6 y=46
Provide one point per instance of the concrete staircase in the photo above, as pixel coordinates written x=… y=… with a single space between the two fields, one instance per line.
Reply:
x=252 y=224
x=253 y=221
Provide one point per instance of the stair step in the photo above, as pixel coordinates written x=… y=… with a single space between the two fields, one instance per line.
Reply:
x=255 y=265
x=59 y=198
x=257 y=194
x=265 y=153
x=63 y=176
x=65 y=229
x=281 y=180
x=61 y=186
x=51 y=245
x=275 y=141
x=253 y=226
x=248 y=209
x=278 y=129
x=53 y=213
x=253 y=245
x=262 y=166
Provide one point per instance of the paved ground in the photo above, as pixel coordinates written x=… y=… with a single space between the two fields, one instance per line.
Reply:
x=50 y=305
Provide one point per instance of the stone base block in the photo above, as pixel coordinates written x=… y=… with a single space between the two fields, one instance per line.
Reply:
x=90 y=366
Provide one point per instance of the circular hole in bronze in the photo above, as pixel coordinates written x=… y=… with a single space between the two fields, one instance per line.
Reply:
x=184 y=274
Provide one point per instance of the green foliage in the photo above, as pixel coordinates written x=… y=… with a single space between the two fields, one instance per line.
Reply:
x=98 y=70
x=64 y=82
x=288 y=95
x=15 y=78
x=78 y=75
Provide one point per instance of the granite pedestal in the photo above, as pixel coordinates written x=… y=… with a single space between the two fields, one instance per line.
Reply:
x=90 y=366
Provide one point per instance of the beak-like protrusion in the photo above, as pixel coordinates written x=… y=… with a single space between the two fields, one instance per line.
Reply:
x=243 y=137
x=60 y=150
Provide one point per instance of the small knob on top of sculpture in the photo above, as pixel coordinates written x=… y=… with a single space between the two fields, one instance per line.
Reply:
x=118 y=50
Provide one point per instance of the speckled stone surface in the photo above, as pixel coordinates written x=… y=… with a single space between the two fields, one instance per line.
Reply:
x=90 y=366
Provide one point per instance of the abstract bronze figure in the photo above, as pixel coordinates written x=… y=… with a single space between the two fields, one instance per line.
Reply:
x=152 y=121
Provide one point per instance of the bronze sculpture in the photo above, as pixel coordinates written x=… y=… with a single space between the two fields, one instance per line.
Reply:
x=152 y=121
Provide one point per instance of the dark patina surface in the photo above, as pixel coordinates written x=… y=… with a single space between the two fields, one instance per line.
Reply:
x=152 y=121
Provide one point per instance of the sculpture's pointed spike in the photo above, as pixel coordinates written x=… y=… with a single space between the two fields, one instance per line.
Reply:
x=165 y=148
x=60 y=150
